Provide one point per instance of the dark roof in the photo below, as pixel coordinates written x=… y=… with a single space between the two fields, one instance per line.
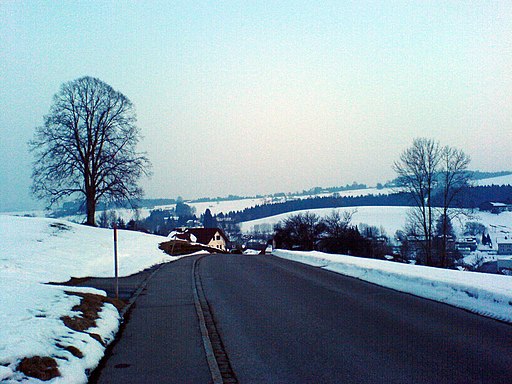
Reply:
x=182 y=236
x=205 y=235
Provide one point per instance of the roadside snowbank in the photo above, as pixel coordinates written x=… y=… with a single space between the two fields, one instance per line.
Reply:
x=35 y=251
x=485 y=294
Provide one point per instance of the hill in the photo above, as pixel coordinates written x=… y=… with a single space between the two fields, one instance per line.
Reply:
x=35 y=251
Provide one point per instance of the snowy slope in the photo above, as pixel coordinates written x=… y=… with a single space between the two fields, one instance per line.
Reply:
x=225 y=207
x=485 y=294
x=34 y=251
x=500 y=180
x=389 y=218
x=393 y=218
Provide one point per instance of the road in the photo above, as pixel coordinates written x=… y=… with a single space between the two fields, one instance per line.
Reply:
x=285 y=322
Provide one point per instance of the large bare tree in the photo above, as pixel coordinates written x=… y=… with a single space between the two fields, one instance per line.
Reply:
x=87 y=147
x=426 y=170
x=416 y=169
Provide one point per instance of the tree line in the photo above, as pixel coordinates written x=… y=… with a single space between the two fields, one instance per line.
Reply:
x=472 y=197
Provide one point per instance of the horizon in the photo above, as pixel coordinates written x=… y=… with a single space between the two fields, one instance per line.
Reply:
x=251 y=99
x=230 y=197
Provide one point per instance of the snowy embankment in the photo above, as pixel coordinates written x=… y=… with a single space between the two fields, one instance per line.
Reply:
x=485 y=294
x=35 y=251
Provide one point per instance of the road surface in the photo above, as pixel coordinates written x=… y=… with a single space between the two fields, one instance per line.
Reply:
x=285 y=322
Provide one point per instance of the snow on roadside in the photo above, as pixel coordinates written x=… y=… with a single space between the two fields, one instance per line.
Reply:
x=485 y=294
x=35 y=251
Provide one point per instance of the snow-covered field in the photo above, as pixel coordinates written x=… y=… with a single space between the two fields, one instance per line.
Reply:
x=35 y=251
x=227 y=206
x=485 y=294
x=500 y=180
x=391 y=219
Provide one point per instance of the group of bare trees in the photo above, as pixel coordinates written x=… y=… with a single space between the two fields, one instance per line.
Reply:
x=332 y=234
x=429 y=171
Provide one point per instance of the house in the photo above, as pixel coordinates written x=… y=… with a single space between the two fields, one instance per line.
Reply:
x=494 y=207
x=211 y=237
x=466 y=245
x=505 y=245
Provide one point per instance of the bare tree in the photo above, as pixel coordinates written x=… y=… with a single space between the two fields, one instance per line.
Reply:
x=87 y=147
x=416 y=169
x=427 y=170
x=300 y=230
x=453 y=178
x=336 y=224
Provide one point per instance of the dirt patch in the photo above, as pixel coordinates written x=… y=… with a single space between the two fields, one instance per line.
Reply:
x=176 y=248
x=73 y=282
x=42 y=368
x=73 y=350
x=98 y=338
x=90 y=307
x=60 y=226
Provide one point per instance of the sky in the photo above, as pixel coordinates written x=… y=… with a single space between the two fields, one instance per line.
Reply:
x=250 y=97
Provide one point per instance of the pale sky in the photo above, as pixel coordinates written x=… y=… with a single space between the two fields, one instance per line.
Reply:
x=246 y=97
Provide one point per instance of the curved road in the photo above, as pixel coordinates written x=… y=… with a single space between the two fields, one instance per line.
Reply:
x=285 y=322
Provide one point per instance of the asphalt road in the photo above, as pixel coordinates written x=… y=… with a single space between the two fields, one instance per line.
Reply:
x=160 y=342
x=285 y=322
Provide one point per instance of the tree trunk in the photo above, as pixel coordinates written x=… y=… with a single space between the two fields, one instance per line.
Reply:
x=91 y=208
x=428 y=232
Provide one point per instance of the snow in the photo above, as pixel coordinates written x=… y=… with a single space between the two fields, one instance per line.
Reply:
x=392 y=218
x=35 y=251
x=389 y=218
x=500 y=180
x=251 y=252
x=216 y=207
x=485 y=294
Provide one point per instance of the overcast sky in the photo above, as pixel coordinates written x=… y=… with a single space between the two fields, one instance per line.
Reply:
x=261 y=97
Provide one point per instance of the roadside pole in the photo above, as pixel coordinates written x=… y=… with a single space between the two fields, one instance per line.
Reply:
x=116 y=269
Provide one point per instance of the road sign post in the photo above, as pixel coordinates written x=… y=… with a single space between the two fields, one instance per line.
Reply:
x=116 y=265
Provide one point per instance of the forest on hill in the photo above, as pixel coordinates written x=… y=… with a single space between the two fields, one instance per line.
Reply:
x=472 y=197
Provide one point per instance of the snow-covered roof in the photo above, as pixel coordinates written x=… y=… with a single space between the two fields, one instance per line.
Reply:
x=498 y=205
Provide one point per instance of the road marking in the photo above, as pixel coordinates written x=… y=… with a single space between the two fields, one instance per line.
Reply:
x=216 y=356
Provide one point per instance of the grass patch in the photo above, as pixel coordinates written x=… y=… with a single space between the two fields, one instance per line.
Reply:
x=90 y=307
x=73 y=350
x=42 y=368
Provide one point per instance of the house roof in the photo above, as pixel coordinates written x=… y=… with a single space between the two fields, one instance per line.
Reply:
x=497 y=204
x=205 y=235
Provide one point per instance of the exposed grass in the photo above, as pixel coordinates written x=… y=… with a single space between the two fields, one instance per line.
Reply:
x=73 y=350
x=42 y=368
x=90 y=307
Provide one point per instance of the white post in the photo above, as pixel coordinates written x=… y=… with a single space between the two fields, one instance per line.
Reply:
x=116 y=273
